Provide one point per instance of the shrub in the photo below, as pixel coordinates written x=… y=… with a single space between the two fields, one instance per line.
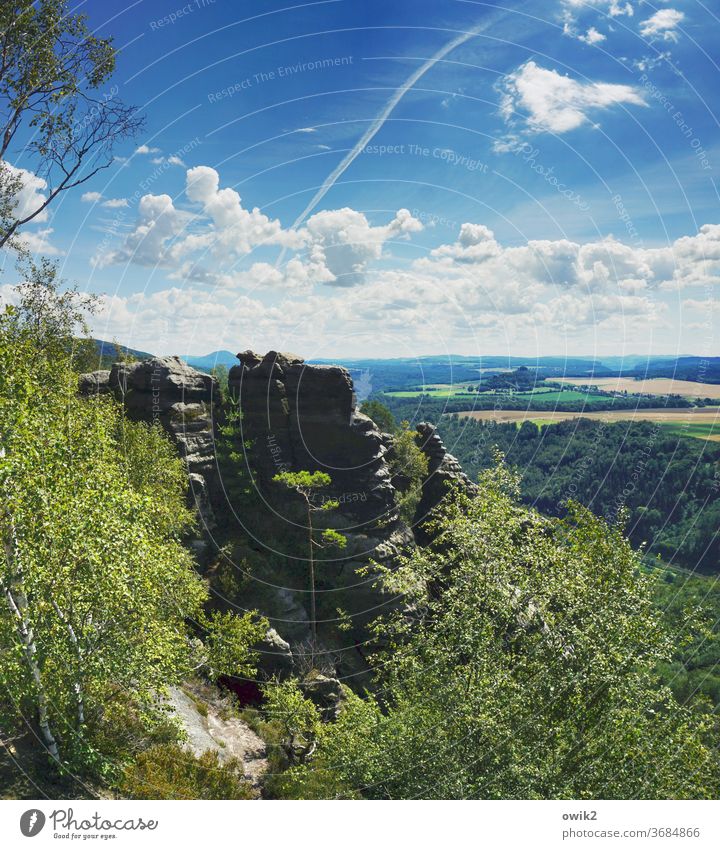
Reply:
x=171 y=772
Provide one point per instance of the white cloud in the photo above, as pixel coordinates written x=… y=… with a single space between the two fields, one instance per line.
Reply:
x=557 y=103
x=306 y=130
x=91 y=197
x=342 y=242
x=334 y=284
x=115 y=203
x=335 y=247
x=235 y=229
x=158 y=224
x=663 y=24
x=38 y=242
x=592 y=36
x=144 y=150
x=648 y=63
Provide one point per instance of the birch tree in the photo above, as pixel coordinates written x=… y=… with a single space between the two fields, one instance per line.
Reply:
x=96 y=584
x=59 y=113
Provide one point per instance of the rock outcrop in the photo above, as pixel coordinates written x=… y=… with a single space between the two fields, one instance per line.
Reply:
x=167 y=391
x=302 y=416
x=94 y=383
x=444 y=474
x=210 y=727
x=295 y=416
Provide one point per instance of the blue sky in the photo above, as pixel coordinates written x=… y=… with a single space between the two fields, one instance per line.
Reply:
x=536 y=178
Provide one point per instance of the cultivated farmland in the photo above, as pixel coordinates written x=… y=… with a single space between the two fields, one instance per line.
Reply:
x=701 y=422
x=651 y=386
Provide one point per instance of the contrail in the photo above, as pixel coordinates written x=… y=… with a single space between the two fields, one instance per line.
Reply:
x=376 y=125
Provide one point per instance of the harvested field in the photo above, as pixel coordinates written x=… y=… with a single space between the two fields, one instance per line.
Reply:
x=651 y=386
x=703 y=422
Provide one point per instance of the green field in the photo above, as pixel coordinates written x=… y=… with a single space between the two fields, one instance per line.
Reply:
x=701 y=430
x=698 y=423
x=546 y=394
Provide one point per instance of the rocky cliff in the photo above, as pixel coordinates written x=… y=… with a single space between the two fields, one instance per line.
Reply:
x=166 y=391
x=294 y=416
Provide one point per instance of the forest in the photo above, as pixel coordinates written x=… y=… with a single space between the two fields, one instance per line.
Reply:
x=665 y=487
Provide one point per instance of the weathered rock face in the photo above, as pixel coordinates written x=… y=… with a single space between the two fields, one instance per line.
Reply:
x=94 y=383
x=275 y=658
x=296 y=417
x=301 y=416
x=444 y=473
x=167 y=391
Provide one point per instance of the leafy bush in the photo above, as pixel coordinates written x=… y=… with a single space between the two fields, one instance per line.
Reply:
x=527 y=670
x=171 y=772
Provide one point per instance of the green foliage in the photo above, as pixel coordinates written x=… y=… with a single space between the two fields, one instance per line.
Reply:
x=51 y=68
x=332 y=537
x=410 y=463
x=229 y=640
x=693 y=673
x=221 y=374
x=529 y=670
x=668 y=485
x=307 y=484
x=286 y=705
x=380 y=414
x=303 y=481
x=96 y=583
x=233 y=456
x=171 y=772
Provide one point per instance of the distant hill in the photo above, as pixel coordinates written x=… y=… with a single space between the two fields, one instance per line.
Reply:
x=108 y=351
x=209 y=361
x=700 y=369
x=377 y=375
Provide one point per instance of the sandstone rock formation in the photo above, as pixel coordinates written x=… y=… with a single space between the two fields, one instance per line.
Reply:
x=302 y=416
x=444 y=473
x=167 y=391
x=295 y=416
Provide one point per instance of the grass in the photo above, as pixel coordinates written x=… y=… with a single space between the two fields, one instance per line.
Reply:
x=696 y=422
x=701 y=430
x=547 y=394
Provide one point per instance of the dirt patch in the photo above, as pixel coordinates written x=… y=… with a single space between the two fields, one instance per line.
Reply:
x=209 y=726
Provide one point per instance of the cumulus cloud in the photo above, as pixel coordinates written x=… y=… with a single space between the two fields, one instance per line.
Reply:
x=91 y=197
x=341 y=242
x=158 y=224
x=560 y=289
x=38 y=242
x=334 y=248
x=608 y=266
x=552 y=102
x=236 y=230
x=663 y=24
x=144 y=150
x=115 y=203
x=592 y=36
